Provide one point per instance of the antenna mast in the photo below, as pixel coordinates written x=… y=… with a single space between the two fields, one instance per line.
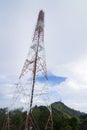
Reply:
x=35 y=63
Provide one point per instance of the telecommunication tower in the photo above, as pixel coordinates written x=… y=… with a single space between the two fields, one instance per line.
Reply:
x=36 y=65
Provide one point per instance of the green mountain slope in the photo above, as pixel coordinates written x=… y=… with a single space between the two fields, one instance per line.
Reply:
x=61 y=108
x=63 y=118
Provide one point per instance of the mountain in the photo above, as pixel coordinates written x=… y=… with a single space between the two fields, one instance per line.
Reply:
x=63 y=118
x=61 y=108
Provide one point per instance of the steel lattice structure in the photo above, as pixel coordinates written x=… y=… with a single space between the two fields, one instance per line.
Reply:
x=35 y=65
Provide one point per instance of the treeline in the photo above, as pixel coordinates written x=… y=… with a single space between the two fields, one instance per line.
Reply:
x=16 y=119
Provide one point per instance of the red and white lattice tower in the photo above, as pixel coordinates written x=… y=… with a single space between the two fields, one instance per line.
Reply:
x=36 y=65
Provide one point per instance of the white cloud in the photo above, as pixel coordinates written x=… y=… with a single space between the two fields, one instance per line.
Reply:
x=74 y=90
x=6 y=93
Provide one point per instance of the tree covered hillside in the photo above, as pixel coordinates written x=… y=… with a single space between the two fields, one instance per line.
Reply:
x=64 y=118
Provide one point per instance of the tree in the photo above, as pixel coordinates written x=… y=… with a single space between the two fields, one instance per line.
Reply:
x=74 y=123
x=68 y=127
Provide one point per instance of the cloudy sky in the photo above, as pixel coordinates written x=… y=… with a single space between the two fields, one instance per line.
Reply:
x=65 y=45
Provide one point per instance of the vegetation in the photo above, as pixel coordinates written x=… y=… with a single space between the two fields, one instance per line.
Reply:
x=64 y=118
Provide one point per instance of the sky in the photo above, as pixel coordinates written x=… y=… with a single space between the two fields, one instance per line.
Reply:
x=65 y=46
